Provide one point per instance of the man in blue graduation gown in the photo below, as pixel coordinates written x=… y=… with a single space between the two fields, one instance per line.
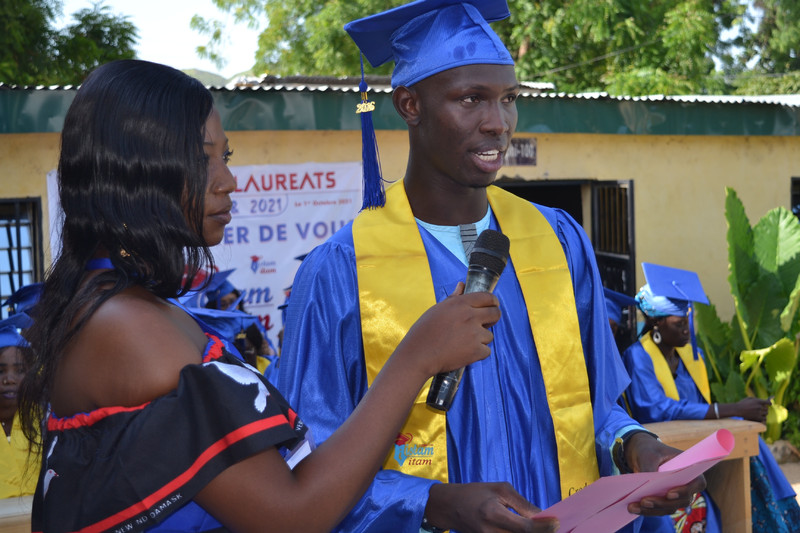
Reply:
x=537 y=420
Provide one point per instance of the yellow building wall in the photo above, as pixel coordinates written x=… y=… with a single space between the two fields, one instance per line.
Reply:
x=679 y=181
x=679 y=190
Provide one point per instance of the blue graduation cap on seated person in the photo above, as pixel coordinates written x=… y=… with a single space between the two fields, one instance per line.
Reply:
x=24 y=298
x=671 y=291
x=423 y=38
x=616 y=302
x=217 y=287
x=674 y=283
x=9 y=330
x=229 y=325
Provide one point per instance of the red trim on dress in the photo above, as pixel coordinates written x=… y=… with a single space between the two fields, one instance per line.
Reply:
x=171 y=487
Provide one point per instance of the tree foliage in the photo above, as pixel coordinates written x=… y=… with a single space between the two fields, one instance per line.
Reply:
x=770 y=59
x=302 y=37
x=34 y=52
x=775 y=44
x=626 y=47
x=25 y=43
x=621 y=46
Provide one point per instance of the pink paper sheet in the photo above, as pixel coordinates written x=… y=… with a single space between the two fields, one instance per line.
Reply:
x=603 y=505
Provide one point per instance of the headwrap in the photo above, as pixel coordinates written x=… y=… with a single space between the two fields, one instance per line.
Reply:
x=655 y=306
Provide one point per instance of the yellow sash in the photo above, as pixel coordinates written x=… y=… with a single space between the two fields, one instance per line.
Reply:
x=391 y=258
x=696 y=368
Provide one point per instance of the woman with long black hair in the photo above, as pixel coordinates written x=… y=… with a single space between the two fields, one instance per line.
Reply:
x=151 y=422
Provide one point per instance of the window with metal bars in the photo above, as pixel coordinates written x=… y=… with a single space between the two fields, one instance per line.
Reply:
x=21 y=251
x=795 y=197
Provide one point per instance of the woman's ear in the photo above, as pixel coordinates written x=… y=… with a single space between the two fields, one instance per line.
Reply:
x=406 y=102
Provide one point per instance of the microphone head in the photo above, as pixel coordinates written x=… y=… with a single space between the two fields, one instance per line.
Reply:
x=490 y=251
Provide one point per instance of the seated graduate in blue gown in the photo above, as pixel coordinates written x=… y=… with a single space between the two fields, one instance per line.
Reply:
x=19 y=468
x=221 y=306
x=669 y=381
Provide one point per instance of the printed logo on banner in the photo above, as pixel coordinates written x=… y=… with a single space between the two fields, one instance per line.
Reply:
x=283 y=212
x=262 y=267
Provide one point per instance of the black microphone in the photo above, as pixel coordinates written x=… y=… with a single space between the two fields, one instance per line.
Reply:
x=486 y=263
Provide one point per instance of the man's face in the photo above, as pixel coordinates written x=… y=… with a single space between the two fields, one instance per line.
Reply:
x=467 y=117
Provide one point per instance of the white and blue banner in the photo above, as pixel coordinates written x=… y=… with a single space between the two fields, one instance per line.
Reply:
x=281 y=212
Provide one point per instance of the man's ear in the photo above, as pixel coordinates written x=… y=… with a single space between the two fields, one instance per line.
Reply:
x=406 y=102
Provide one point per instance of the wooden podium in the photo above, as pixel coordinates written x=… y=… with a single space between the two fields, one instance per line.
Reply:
x=15 y=514
x=728 y=481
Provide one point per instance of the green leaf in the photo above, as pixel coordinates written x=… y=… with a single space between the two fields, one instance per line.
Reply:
x=776 y=239
x=780 y=361
x=729 y=392
x=750 y=358
x=777 y=414
x=789 y=313
x=743 y=268
x=769 y=367
x=710 y=326
x=714 y=337
x=764 y=301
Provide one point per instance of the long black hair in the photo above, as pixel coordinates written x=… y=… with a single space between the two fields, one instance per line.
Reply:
x=132 y=177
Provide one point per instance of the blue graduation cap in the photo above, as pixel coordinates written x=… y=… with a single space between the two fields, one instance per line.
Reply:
x=674 y=283
x=219 y=286
x=24 y=298
x=228 y=324
x=429 y=36
x=9 y=330
x=671 y=291
x=423 y=38
x=616 y=302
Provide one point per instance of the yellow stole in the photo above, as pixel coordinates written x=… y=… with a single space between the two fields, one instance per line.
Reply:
x=391 y=259
x=696 y=368
x=262 y=363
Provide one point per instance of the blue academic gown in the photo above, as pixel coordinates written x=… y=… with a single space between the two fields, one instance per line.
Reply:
x=649 y=403
x=499 y=427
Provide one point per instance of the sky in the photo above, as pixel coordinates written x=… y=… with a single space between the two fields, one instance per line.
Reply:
x=165 y=35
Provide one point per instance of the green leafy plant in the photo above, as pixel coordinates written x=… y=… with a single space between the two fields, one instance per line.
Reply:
x=756 y=353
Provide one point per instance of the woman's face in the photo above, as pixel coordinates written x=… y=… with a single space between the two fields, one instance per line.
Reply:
x=11 y=372
x=674 y=331
x=221 y=183
x=226 y=301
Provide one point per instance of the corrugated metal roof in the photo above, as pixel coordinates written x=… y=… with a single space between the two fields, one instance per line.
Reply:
x=791 y=100
x=382 y=84
x=6 y=86
x=308 y=103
